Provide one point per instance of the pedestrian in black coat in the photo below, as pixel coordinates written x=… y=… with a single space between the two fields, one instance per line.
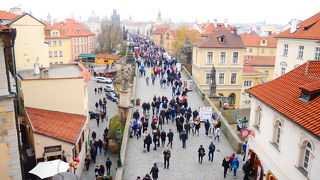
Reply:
x=225 y=165
x=207 y=126
x=154 y=171
x=201 y=153
x=170 y=137
x=184 y=137
x=148 y=142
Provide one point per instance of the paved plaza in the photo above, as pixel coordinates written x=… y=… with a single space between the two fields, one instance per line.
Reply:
x=111 y=111
x=183 y=162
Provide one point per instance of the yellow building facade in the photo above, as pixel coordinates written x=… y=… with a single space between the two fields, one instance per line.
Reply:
x=259 y=46
x=59 y=48
x=30 y=46
x=224 y=50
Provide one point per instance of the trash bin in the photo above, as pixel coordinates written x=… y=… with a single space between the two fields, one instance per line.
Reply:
x=138 y=102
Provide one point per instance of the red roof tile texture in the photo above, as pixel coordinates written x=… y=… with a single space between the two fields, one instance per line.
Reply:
x=108 y=56
x=7 y=16
x=307 y=29
x=256 y=41
x=259 y=60
x=69 y=28
x=211 y=27
x=231 y=40
x=282 y=94
x=160 y=31
x=59 y=125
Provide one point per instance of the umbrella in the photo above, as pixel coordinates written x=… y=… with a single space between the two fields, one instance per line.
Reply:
x=49 y=168
x=65 y=176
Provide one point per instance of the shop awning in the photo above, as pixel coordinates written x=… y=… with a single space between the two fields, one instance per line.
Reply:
x=87 y=55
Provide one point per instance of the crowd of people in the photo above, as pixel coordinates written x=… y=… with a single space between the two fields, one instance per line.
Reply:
x=147 y=122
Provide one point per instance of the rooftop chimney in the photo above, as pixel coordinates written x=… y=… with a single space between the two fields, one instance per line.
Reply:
x=293 y=25
x=215 y=22
x=225 y=23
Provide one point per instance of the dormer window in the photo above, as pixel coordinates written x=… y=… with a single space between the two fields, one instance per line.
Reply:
x=309 y=92
x=263 y=42
x=221 y=39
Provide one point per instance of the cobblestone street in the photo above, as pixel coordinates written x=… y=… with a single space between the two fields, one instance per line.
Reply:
x=111 y=111
x=183 y=162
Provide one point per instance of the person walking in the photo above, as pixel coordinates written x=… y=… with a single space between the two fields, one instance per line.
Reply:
x=235 y=166
x=197 y=126
x=225 y=165
x=244 y=149
x=163 y=137
x=217 y=134
x=206 y=126
x=100 y=145
x=170 y=138
x=108 y=165
x=201 y=153
x=247 y=170
x=87 y=162
x=212 y=148
x=154 y=172
x=148 y=142
x=98 y=119
x=167 y=156
x=101 y=170
x=147 y=81
x=184 y=137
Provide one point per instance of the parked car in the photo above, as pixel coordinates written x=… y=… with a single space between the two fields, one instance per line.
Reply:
x=104 y=80
x=93 y=114
x=109 y=88
x=112 y=96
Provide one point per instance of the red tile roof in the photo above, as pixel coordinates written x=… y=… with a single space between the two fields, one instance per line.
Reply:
x=108 y=56
x=259 y=60
x=250 y=69
x=63 y=126
x=210 y=28
x=69 y=28
x=160 y=31
x=307 y=29
x=255 y=41
x=86 y=75
x=251 y=34
x=4 y=28
x=232 y=40
x=7 y=16
x=282 y=94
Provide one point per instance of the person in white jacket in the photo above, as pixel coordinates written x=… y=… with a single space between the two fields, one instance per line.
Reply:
x=217 y=134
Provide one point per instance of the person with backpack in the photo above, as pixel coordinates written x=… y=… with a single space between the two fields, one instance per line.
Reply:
x=212 y=148
x=235 y=166
x=167 y=156
x=201 y=153
x=184 y=137
x=108 y=165
x=154 y=171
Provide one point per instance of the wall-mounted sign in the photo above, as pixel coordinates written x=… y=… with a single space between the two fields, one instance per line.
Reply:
x=51 y=149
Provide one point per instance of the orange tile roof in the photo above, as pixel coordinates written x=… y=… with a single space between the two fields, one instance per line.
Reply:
x=4 y=28
x=232 y=40
x=259 y=60
x=160 y=31
x=108 y=56
x=307 y=29
x=254 y=41
x=62 y=126
x=7 y=16
x=282 y=95
x=220 y=26
x=251 y=34
x=250 y=69
x=69 y=28
x=86 y=75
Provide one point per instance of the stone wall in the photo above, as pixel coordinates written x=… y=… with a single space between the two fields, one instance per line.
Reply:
x=225 y=127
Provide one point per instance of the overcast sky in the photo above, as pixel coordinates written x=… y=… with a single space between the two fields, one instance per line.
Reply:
x=236 y=11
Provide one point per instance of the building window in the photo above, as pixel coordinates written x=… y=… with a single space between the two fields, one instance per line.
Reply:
x=50 y=53
x=223 y=56
x=283 y=70
x=247 y=83
x=221 y=78
x=285 y=49
x=300 y=52
x=234 y=78
x=60 y=43
x=209 y=57
x=277 y=134
x=54 y=43
x=208 y=78
x=317 y=53
x=266 y=72
x=85 y=48
x=258 y=117
x=60 y=54
x=262 y=51
x=235 y=58
x=250 y=50
x=55 y=54
x=49 y=43
x=306 y=157
x=75 y=40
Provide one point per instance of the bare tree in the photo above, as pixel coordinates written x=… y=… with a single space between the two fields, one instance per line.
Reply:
x=110 y=37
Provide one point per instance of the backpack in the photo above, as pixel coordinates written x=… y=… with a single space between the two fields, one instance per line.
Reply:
x=202 y=153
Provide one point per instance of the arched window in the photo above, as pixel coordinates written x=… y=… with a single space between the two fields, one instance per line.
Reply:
x=277 y=133
x=306 y=156
x=258 y=116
